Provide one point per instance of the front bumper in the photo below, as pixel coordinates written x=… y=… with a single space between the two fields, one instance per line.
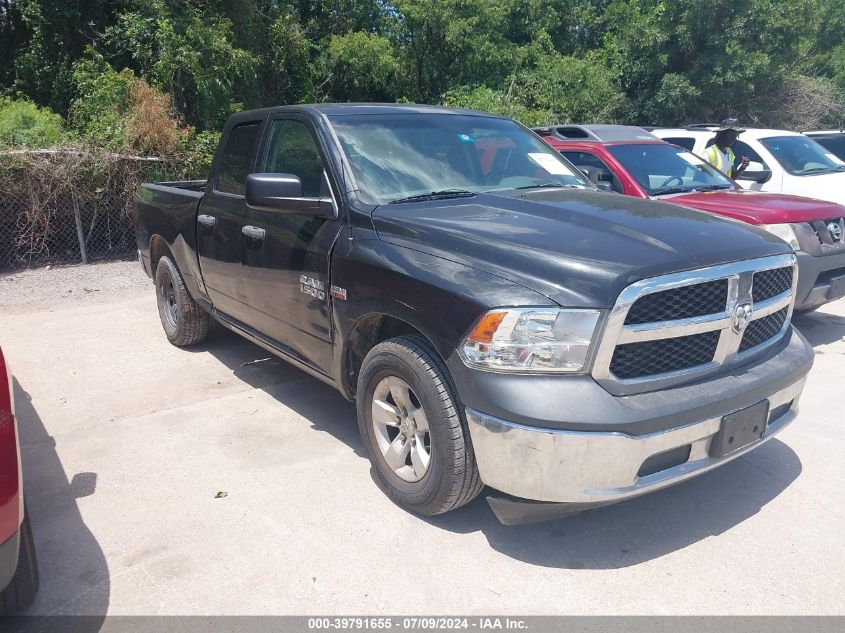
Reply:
x=817 y=276
x=594 y=467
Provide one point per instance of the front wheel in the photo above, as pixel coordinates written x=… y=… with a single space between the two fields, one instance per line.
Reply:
x=414 y=427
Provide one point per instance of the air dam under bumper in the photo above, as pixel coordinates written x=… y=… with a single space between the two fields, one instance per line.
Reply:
x=594 y=468
x=817 y=280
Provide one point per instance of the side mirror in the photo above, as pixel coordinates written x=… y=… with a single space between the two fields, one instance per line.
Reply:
x=603 y=185
x=282 y=193
x=755 y=172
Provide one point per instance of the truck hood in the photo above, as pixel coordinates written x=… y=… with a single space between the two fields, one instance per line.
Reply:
x=756 y=207
x=579 y=248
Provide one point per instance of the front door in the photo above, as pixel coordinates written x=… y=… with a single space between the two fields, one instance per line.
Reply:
x=286 y=269
x=221 y=218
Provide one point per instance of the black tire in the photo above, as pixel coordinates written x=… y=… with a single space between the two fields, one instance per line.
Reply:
x=24 y=585
x=183 y=319
x=451 y=479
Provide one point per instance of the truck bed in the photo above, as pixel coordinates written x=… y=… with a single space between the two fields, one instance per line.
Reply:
x=170 y=207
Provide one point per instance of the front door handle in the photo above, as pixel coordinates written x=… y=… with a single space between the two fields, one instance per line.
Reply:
x=208 y=220
x=254 y=232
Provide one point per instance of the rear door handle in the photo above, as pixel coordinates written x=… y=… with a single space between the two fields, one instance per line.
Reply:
x=254 y=232
x=208 y=220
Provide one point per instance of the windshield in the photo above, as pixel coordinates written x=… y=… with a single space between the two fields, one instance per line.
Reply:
x=662 y=169
x=801 y=156
x=405 y=155
x=834 y=144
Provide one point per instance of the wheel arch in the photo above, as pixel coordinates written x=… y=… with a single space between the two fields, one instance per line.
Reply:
x=158 y=249
x=368 y=331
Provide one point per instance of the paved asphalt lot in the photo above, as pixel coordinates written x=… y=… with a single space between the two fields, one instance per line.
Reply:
x=127 y=440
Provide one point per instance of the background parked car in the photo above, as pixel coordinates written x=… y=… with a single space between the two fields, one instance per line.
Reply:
x=18 y=567
x=781 y=161
x=832 y=140
x=629 y=160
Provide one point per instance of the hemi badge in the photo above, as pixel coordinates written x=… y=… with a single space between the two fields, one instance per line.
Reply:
x=338 y=293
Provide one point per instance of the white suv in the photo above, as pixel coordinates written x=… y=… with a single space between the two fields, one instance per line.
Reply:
x=781 y=161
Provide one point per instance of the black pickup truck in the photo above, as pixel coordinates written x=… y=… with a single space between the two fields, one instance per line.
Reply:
x=498 y=320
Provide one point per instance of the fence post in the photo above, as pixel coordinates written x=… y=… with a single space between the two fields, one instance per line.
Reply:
x=80 y=236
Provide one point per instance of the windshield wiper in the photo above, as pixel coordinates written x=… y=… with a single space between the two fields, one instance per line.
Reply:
x=445 y=194
x=819 y=170
x=668 y=190
x=550 y=184
x=712 y=188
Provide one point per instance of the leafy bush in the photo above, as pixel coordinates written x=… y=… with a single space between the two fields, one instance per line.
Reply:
x=24 y=123
x=574 y=89
x=199 y=153
x=363 y=67
x=496 y=102
x=120 y=111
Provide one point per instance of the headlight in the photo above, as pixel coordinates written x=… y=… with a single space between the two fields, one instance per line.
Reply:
x=531 y=340
x=784 y=232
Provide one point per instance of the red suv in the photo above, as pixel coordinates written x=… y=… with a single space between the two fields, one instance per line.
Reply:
x=631 y=161
x=18 y=569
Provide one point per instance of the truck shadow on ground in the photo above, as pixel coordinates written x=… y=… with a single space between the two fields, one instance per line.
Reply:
x=820 y=328
x=644 y=528
x=74 y=574
x=317 y=402
x=608 y=538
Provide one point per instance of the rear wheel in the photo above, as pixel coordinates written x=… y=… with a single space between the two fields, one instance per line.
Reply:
x=413 y=425
x=24 y=585
x=183 y=319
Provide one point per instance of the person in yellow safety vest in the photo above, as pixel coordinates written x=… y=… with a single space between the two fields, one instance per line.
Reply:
x=720 y=154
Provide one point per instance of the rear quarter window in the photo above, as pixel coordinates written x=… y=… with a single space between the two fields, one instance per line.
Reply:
x=682 y=141
x=238 y=158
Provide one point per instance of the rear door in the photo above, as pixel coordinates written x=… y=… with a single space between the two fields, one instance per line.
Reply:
x=286 y=268
x=222 y=216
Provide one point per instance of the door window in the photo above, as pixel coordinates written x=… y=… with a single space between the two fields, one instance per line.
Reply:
x=744 y=149
x=293 y=150
x=595 y=168
x=238 y=158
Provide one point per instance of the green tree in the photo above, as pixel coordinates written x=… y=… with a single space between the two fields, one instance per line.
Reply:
x=189 y=54
x=362 y=67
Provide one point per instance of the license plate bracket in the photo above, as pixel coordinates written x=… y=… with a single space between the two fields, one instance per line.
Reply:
x=740 y=429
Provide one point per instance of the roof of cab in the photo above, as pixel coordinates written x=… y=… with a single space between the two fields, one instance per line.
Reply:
x=599 y=133
x=333 y=109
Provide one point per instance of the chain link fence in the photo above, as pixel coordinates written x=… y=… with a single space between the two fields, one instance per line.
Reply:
x=71 y=205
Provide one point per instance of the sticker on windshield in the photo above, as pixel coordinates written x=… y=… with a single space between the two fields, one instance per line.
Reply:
x=550 y=164
x=835 y=159
x=465 y=138
x=691 y=158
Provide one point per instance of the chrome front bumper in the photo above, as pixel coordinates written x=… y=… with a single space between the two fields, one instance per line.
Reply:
x=586 y=467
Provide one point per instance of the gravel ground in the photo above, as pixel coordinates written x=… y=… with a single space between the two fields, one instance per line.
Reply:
x=54 y=287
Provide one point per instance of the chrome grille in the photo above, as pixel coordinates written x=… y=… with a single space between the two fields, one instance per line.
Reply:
x=680 y=303
x=687 y=325
x=632 y=360
x=830 y=232
x=762 y=330
x=769 y=283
